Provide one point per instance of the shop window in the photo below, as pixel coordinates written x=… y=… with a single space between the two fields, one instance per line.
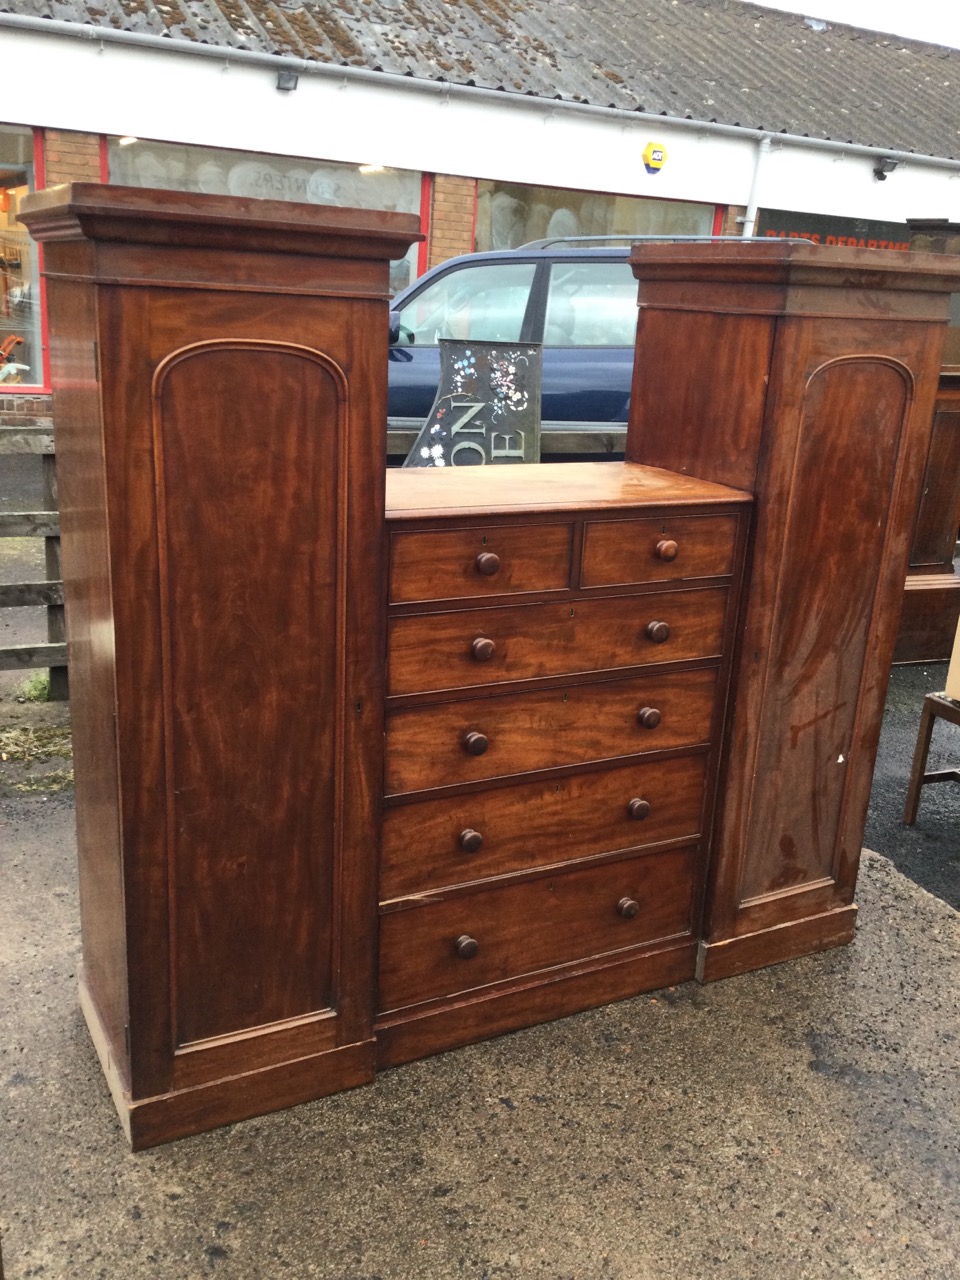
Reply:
x=510 y=214
x=21 y=352
x=136 y=162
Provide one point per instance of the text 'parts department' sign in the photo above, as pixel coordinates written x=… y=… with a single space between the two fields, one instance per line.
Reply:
x=487 y=410
x=841 y=233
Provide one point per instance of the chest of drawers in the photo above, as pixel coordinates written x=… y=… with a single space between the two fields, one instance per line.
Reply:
x=558 y=648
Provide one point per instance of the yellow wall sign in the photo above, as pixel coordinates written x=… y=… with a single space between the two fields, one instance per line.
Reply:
x=654 y=157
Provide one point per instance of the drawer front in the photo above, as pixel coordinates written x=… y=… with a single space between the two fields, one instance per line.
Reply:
x=449 y=564
x=663 y=549
x=523 y=642
x=436 y=746
x=524 y=928
x=436 y=843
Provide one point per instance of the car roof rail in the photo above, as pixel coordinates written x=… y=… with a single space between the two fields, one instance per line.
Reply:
x=556 y=242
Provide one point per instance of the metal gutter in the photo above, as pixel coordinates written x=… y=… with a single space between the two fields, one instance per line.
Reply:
x=441 y=88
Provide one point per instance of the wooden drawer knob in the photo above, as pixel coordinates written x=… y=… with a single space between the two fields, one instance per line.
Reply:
x=470 y=841
x=658 y=632
x=466 y=946
x=638 y=808
x=483 y=649
x=667 y=549
x=475 y=744
x=648 y=717
x=487 y=563
x=628 y=908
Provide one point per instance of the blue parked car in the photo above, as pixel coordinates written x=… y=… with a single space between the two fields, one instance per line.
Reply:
x=579 y=302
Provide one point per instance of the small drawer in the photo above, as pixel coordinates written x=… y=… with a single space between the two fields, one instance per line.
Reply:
x=437 y=843
x=449 y=564
x=452 y=946
x=471 y=739
x=664 y=549
x=524 y=642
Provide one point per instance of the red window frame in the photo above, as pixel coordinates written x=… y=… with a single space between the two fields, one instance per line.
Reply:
x=42 y=387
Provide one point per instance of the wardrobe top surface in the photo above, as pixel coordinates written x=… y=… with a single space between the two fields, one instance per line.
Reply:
x=549 y=486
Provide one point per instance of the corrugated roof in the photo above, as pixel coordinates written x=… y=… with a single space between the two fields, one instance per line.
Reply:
x=712 y=60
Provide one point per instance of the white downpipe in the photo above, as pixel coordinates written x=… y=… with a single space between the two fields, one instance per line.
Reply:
x=750 y=217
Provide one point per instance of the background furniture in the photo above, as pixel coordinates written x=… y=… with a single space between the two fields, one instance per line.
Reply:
x=935 y=705
x=931 y=600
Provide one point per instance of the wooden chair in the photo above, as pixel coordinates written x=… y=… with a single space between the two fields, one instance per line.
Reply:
x=946 y=705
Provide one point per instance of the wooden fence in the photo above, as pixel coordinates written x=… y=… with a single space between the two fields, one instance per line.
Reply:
x=37 y=524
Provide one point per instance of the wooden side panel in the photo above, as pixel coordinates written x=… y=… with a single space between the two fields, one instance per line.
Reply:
x=699 y=388
x=250 y=642
x=87 y=569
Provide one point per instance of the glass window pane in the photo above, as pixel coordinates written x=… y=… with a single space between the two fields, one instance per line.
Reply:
x=591 y=304
x=139 y=162
x=510 y=214
x=21 y=354
x=483 y=303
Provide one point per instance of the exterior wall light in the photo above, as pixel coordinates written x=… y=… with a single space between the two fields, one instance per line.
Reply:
x=287 y=80
x=885 y=165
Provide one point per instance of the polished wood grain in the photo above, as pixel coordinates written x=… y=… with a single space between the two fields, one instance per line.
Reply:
x=486 y=560
x=539 y=823
x=934 y=544
x=554 y=993
x=538 y=924
x=928 y=620
x=226 y=840
x=931 y=601
x=560 y=486
x=821 y=378
x=558 y=727
x=667 y=548
x=242 y=764
x=432 y=651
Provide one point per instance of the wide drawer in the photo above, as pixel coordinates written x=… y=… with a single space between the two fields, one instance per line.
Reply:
x=485 y=560
x=661 y=549
x=443 y=948
x=436 y=843
x=523 y=642
x=436 y=746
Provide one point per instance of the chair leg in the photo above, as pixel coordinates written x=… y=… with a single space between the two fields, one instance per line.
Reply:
x=924 y=735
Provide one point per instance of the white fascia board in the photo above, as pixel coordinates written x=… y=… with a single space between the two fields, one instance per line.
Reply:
x=67 y=83
x=71 y=84
x=843 y=183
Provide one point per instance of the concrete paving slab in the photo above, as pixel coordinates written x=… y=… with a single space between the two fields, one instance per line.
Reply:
x=797 y=1123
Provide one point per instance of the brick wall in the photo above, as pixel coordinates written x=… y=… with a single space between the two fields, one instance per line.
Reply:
x=451 y=218
x=730 y=226
x=25 y=410
x=71 y=157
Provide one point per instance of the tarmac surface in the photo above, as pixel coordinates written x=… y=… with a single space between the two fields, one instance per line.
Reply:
x=797 y=1123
